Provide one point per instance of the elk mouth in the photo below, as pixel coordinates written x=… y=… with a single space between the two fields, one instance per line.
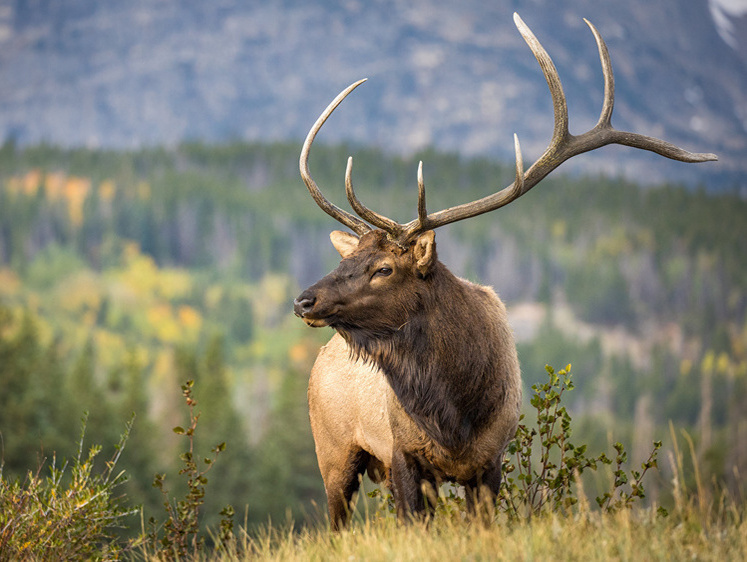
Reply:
x=311 y=319
x=316 y=322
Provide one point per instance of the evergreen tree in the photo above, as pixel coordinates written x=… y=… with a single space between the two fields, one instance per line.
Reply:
x=286 y=474
x=35 y=415
x=219 y=422
x=139 y=456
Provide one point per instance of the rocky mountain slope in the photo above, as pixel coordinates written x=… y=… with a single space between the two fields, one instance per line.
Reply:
x=456 y=76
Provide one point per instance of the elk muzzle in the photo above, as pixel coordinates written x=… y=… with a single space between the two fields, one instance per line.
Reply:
x=303 y=307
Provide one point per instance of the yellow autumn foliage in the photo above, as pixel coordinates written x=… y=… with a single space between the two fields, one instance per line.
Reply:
x=140 y=273
x=143 y=190
x=559 y=229
x=723 y=363
x=27 y=184
x=270 y=299
x=614 y=244
x=80 y=293
x=54 y=184
x=45 y=333
x=31 y=182
x=685 y=367
x=76 y=191
x=708 y=362
x=173 y=283
x=58 y=186
x=298 y=353
x=163 y=369
x=107 y=190
x=10 y=284
x=89 y=318
x=213 y=296
x=303 y=353
x=190 y=320
x=163 y=324
x=13 y=185
x=173 y=326
x=110 y=348
x=143 y=276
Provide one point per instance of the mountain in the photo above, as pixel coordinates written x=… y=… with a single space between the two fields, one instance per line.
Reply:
x=457 y=76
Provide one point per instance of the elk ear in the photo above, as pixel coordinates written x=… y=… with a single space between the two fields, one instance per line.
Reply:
x=344 y=242
x=425 y=252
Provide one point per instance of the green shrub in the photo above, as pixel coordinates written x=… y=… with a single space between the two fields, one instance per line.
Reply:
x=68 y=515
x=181 y=534
x=543 y=464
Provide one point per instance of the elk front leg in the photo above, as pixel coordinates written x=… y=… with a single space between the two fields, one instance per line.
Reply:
x=341 y=483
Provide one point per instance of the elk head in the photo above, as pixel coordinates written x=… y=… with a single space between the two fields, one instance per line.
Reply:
x=398 y=255
x=375 y=286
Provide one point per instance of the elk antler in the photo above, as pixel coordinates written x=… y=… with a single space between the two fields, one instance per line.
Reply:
x=353 y=223
x=563 y=146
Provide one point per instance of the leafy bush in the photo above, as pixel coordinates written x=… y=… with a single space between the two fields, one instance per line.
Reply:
x=544 y=464
x=63 y=517
x=180 y=535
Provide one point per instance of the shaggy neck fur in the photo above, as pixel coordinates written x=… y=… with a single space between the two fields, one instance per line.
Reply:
x=444 y=362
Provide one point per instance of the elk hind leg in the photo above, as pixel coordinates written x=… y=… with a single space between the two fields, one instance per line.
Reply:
x=481 y=493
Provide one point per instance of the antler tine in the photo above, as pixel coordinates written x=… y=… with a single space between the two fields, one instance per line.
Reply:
x=605 y=118
x=634 y=140
x=559 y=106
x=352 y=222
x=422 y=213
x=379 y=221
x=563 y=145
x=518 y=185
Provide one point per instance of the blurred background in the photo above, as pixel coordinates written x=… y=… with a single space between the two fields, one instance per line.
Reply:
x=154 y=229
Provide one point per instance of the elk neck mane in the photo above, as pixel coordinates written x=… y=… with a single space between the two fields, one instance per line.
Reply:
x=445 y=363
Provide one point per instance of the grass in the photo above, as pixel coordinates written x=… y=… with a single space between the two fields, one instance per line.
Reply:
x=629 y=534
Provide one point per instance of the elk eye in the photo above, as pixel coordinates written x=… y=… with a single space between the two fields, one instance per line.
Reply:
x=384 y=271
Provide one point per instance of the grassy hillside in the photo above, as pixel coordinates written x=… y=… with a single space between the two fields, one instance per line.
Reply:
x=622 y=536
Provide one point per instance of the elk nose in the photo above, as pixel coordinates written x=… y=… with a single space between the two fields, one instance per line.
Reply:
x=303 y=304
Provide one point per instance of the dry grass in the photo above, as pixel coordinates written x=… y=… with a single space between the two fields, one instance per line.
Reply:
x=631 y=534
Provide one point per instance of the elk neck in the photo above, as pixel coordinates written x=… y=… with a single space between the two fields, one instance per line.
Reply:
x=443 y=363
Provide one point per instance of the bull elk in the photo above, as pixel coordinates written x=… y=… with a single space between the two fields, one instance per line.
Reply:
x=421 y=383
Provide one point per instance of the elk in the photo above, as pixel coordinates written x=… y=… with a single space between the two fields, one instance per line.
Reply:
x=421 y=383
